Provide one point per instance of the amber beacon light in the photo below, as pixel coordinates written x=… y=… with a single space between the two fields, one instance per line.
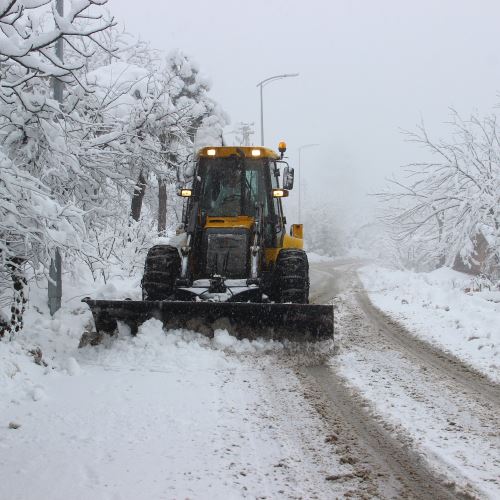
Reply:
x=282 y=148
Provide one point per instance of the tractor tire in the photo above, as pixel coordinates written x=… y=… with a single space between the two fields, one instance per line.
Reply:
x=291 y=277
x=161 y=269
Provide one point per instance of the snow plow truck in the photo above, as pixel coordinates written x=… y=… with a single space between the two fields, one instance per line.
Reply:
x=234 y=265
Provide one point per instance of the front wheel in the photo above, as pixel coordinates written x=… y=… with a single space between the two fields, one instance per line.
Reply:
x=161 y=269
x=291 y=277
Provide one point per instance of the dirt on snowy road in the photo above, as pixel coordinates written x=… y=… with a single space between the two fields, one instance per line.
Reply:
x=414 y=421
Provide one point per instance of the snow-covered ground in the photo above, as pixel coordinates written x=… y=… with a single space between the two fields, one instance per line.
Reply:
x=315 y=258
x=159 y=415
x=176 y=414
x=155 y=416
x=436 y=307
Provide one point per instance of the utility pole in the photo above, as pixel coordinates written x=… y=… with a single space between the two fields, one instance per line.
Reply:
x=243 y=131
x=55 y=270
x=246 y=132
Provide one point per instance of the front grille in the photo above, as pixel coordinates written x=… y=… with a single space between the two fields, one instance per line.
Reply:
x=227 y=253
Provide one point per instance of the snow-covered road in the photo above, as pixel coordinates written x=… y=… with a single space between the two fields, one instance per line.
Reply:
x=440 y=411
x=182 y=416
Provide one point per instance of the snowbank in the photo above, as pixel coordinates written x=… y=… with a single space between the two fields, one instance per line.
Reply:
x=436 y=307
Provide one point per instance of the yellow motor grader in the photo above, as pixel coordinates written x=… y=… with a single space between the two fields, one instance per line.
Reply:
x=236 y=265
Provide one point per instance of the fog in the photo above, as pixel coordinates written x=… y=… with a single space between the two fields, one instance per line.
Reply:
x=367 y=70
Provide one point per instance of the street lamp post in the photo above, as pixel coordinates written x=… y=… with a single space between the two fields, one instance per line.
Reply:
x=300 y=170
x=261 y=85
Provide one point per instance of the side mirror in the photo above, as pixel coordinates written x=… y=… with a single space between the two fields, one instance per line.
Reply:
x=288 y=178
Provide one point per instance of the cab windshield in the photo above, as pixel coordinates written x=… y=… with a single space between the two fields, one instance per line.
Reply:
x=232 y=186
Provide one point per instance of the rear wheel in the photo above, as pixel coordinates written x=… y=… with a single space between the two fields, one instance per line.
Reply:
x=291 y=277
x=161 y=269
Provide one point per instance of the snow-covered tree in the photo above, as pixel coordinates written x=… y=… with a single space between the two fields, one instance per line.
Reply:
x=324 y=231
x=442 y=206
x=29 y=30
x=39 y=172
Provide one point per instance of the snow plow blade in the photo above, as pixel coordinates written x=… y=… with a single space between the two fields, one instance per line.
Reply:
x=294 y=322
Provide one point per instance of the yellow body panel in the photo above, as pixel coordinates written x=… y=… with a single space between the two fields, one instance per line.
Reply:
x=292 y=242
x=224 y=151
x=240 y=222
x=271 y=254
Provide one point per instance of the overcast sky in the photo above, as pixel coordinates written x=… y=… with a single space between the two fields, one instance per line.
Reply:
x=367 y=69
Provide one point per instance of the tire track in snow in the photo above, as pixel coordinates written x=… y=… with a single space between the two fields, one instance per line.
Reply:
x=364 y=329
x=344 y=278
x=401 y=471
x=474 y=383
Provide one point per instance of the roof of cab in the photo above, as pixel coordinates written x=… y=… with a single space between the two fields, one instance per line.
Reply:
x=224 y=151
